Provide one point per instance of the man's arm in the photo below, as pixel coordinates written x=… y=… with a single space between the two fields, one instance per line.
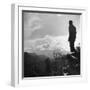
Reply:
x=69 y=34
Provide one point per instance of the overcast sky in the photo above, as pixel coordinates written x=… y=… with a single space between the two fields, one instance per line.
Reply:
x=38 y=25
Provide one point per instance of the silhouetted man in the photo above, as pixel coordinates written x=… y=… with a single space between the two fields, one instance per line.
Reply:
x=72 y=35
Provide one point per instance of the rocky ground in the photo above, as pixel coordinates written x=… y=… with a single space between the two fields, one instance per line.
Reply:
x=61 y=65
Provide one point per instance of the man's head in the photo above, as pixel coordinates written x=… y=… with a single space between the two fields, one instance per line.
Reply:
x=70 y=22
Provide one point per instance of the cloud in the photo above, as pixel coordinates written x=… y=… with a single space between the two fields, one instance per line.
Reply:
x=59 y=15
x=48 y=43
x=31 y=24
x=34 y=23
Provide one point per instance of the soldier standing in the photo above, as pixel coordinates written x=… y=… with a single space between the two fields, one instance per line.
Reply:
x=72 y=36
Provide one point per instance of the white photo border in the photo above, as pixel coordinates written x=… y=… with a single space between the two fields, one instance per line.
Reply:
x=16 y=41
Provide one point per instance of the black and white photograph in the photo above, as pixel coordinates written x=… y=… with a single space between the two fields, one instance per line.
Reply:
x=51 y=43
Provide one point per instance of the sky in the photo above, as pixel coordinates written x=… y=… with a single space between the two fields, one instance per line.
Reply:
x=38 y=25
x=48 y=30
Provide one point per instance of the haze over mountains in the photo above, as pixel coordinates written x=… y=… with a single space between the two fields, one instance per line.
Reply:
x=47 y=45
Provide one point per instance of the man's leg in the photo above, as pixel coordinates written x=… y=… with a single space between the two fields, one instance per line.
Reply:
x=72 y=46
